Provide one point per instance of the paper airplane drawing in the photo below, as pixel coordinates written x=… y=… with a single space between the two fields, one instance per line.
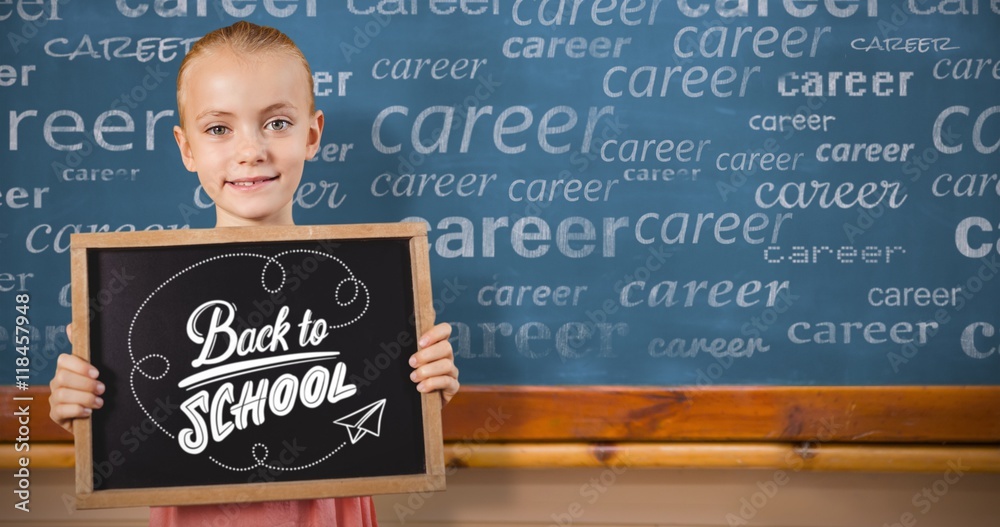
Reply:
x=367 y=420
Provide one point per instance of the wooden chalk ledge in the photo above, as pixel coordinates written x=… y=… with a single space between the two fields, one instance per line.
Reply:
x=788 y=456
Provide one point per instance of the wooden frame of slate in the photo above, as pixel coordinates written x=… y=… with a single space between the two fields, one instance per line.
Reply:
x=269 y=254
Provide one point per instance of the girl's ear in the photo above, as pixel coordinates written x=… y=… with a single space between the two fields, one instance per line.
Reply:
x=182 y=144
x=315 y=134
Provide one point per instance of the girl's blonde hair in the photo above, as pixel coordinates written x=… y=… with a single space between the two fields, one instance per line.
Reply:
x=246 y=39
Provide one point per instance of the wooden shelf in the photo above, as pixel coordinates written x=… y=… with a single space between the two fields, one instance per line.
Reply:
x=879 y=428
x=779 y=456
x=589 y=414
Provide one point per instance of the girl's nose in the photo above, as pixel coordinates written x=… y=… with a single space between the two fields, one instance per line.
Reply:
x=252 y=148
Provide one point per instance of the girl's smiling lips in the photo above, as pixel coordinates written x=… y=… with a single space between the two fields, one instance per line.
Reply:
x=250 y=183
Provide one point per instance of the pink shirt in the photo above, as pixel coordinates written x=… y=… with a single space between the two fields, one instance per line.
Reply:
x=333 y=512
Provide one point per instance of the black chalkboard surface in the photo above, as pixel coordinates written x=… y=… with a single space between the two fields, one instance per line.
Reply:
x=250 y=357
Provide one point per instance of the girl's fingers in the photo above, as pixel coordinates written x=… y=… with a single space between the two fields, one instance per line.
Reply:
x=437 y=368
x=65 y=413
x=76 y=365
x=434 y=364
x=74 y=381
x=67 y=396
x=448 y=386
x=74 y=389
x=439 y=351
x=436 y=334
x=66 y=404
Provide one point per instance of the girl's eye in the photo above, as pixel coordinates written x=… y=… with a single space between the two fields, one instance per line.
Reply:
x=278 y=125
x=217 y=130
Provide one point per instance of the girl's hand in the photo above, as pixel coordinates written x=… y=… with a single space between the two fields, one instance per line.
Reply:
x=75 y=389
x=434 y=363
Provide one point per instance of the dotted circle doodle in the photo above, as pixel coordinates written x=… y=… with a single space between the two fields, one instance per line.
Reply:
x=336 y=293
x=263 y=273
x=260 y=459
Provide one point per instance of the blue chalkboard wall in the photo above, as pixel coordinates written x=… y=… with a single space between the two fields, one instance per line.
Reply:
x=618 y=192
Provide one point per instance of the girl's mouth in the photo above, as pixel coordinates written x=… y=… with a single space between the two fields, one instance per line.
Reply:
x=251 y=182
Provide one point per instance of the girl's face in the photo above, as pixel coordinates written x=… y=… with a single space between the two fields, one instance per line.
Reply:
x=247 y=133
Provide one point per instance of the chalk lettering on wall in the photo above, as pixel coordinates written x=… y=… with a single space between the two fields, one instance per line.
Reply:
x=581 y=167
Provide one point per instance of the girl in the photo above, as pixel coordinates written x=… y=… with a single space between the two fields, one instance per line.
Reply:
x=248 y=123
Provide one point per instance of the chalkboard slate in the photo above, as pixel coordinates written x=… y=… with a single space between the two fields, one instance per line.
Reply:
x=245 y=359
x=618 y=192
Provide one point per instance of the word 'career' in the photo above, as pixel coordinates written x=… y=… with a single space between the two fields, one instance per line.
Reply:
x=546 y=12
x=606 y=12
x=637 y=12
